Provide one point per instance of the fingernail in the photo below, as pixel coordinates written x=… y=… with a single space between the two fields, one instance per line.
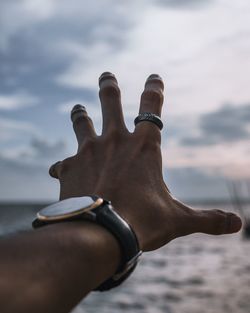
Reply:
x=78 y=107
x=154 y=76
x=235 y=223
x=106 y=75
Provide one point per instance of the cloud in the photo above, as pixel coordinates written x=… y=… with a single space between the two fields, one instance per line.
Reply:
x=23 y=142
x=67 y=106
x=197 y=183
x=180 y=45
x=56 y=49
x=63 y=26
x=43 y=41
x=10 y=128
x=18 y=16
x=192 y=183
x=17 y=101
x=217 y=141
x=225 y=125
x=25 y=181
x=45 y=149
x=24 y=170
x=180 y=4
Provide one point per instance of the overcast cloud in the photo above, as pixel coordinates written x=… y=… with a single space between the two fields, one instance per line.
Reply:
x=52 y=52
x=226 y=125
x=186 y=4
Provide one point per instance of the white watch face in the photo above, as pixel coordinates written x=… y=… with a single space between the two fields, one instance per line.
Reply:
x=68 y=208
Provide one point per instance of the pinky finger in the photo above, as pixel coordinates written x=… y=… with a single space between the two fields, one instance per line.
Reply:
x=54 y=170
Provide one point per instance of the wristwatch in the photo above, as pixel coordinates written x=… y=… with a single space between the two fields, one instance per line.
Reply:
x=100 y=211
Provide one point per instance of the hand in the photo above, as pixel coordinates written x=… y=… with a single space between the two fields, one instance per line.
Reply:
x=126 y=168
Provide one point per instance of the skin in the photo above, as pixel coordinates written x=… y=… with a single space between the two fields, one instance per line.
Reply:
x=53 y=268
x=126 y=168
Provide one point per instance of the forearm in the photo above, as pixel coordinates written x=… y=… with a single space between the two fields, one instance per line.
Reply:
x=53 y=268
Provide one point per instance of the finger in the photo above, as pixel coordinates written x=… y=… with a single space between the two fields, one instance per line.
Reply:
x=111 y=103
x=151 y=102
x=213 y=222
x=54 y=169
x=152 y=96
x=82 y=123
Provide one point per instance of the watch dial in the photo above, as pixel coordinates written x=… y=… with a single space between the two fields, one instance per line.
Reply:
x=69 y=207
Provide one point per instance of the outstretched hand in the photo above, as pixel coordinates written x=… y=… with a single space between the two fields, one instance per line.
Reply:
x=126 y=168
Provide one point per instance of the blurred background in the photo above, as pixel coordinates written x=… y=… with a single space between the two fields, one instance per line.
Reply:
x=51 y=55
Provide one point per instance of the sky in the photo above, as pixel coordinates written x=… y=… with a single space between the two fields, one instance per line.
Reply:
x=53 y=51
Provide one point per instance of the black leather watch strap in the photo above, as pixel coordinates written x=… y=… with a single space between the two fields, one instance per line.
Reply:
x=107 y=217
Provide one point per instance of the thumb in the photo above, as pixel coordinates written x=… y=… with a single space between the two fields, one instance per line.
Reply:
x=216 y=222
x=213 y=222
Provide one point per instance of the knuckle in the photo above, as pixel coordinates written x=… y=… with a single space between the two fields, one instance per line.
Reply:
x=147 y=145
x=114 y=135
x=88 y=145
x=148 y=134
x=83 y=121
x=152 y=95
x=110 y=90
x=83 y=118
x=146 y=138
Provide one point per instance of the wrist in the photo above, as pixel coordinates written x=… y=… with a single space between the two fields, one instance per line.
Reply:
x=91 y=246
x=99 y=211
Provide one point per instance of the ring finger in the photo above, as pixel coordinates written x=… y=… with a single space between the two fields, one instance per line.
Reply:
x=151 y=102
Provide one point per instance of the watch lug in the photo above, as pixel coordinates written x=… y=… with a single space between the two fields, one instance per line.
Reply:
x=90 y=216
